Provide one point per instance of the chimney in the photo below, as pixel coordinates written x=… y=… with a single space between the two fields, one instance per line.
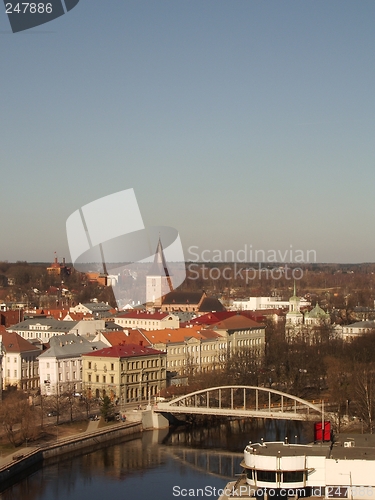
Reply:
x=141 y=343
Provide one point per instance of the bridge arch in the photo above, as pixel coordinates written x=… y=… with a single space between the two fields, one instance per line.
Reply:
x=243 y=400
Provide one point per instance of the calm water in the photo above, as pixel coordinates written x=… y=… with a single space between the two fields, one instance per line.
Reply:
x=159 y=464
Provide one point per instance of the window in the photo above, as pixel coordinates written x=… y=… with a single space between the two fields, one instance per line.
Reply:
x=15 y=373
x=89 y=365
x=266 y=475
x=89 y=378
x=47 y=365
x=97 y=378
x=112 y=366
x=112 y=379
x=15 y=360
x=293 y=477
x=103 y=379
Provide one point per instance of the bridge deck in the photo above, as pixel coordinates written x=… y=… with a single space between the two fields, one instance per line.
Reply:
x=243 y=401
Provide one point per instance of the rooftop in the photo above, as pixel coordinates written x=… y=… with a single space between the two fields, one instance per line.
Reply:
x=124 y=351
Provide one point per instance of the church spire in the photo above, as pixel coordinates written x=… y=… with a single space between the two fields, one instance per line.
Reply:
x=159 y=267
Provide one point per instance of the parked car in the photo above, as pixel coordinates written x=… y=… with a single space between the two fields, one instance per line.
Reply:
x=52 y=414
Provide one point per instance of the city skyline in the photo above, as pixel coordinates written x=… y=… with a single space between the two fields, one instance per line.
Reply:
x=239 y=124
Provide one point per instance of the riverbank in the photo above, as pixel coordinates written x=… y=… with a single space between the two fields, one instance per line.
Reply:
x=22 y=461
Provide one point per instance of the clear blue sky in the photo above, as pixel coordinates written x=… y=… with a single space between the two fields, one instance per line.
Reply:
x=238 y=122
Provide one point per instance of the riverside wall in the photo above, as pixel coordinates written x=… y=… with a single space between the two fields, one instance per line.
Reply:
x=28 y=459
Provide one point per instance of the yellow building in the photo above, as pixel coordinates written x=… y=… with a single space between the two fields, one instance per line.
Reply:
x=125 y=373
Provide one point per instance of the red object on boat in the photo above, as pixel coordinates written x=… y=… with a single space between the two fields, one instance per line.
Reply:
x=322 y=432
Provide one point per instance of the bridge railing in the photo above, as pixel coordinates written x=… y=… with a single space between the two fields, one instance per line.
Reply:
x=249 y=399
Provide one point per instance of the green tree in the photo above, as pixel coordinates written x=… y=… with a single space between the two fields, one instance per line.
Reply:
x=107 y=408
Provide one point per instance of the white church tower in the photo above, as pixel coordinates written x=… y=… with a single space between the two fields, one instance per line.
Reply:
x=158 y=279
x=294 y=318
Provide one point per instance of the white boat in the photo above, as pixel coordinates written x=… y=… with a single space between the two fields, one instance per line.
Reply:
x=343 y=468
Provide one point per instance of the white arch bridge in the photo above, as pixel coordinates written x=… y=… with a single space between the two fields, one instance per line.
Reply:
x=243 y=401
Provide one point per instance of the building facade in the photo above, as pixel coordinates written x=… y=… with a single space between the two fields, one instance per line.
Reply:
x=125 y=373
x=60 y=366
x=20 y=362
x=147 y=320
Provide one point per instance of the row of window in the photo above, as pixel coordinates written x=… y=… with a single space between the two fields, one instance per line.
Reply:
x=137 y=322
x=196 y=348
x=132 y=394
x=67 y=376
x=66 y=363
x=111 y=379
x=276 y=477
x=183 y=362
x=246 y=342
x=248 y=332
x=132 y=365
x=130 y=378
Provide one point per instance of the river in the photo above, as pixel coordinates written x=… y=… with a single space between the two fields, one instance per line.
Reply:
x=165 y=464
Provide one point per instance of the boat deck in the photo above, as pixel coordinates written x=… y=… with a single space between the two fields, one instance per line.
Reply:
x=238 y=489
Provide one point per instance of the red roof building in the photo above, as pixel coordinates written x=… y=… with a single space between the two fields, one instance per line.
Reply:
x=126 y=373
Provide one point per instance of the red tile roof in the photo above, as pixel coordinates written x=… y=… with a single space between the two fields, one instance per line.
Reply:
x=211 y=318
x=178 y=334
x=120 y=338
x=79 y=316
x=12 y=342
x=124 y=351
x=236 y=322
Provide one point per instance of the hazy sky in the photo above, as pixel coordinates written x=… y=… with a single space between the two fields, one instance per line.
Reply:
x=237 y=122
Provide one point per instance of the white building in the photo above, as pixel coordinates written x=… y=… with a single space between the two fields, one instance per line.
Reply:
x=297 y=323
x=20 y=365
x=350 y=332
x=147 y=320
x=44 y=329
x=97 y=309
x=60 y=366
x=256 y=303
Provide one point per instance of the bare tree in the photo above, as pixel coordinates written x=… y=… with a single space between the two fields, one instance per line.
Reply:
x=365 y=395
x=9 y=417
x=87 y=401
x=70 y=400
x=16 y=410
